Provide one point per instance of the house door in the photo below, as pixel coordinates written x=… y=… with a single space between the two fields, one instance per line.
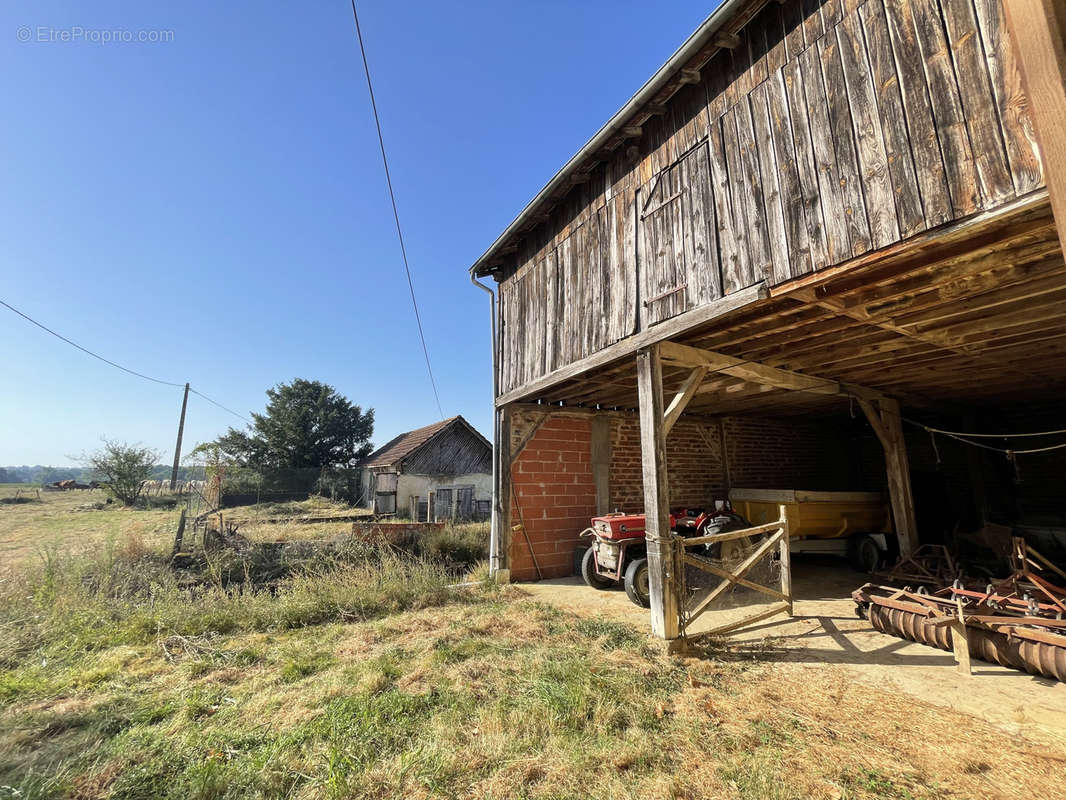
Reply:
x=443 y=505
x=464 y=503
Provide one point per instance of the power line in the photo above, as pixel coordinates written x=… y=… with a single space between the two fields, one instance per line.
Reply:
x=395 y=213
x=215 y=402
x=90 y=352
x=119 y=366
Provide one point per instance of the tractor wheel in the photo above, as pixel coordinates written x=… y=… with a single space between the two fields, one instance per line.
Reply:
x=864 y=553
x=730 y=550
x=637 y=587
x=588 y=572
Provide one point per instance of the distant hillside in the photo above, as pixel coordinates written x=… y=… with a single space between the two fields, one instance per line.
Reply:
x=39 y=473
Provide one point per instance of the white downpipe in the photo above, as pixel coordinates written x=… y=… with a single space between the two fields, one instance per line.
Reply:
x=494 y=533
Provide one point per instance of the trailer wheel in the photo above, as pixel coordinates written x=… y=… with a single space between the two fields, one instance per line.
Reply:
x=588 y=572
x=864 y=553
x=638 y=588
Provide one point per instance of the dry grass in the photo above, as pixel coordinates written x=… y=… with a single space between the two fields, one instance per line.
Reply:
x=371 y=680
x=503 y=698
x=69 y=522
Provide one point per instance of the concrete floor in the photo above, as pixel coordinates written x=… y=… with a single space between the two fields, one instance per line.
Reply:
x=826 y=630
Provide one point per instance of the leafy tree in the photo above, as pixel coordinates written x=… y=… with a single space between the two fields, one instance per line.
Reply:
x=307 y=425
x=123 y=468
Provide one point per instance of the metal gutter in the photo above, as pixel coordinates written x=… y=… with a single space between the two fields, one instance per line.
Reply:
x=654 y=84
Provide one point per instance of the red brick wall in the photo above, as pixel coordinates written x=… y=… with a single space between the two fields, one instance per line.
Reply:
x=555 y=494
x=769 y=453
x=694 y=464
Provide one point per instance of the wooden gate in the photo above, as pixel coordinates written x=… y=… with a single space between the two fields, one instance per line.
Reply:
x=776 y=537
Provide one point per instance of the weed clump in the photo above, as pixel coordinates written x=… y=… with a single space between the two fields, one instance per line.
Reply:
x=68 y=606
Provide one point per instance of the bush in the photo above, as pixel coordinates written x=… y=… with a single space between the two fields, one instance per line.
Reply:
x=457 y=544
x=123 y=467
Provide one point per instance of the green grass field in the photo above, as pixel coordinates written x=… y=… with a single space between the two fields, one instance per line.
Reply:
x=366 y=674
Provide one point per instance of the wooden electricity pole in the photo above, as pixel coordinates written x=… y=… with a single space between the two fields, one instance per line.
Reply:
x=177 y=447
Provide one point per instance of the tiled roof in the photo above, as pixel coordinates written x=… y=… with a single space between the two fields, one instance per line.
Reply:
x=406 y=443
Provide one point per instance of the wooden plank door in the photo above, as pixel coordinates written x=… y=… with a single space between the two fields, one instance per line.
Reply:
x=678 y=248
x=443 y=505
x=464 y=503
x=662 y=256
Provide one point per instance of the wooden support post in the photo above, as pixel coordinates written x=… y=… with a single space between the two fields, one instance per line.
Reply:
x=661 y=560
x=786 y=557
x=179 y=537
x=601 y=461
x=899 y=478
x=887 y=423
x=960 y=643
x=725 y=456
x=1038 y=30
x=501 y=499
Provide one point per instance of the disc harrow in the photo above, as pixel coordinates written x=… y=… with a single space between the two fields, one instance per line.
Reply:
x=1020 y=633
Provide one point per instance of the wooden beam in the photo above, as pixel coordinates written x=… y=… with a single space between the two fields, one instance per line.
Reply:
x=888 y=425
x=516 y=450
x=689 y=76
x=600 y=456
x=677 y=405
x=501 y=500
x=749 y=371
x=729 y=41
x=629 y=346
x=874 y=419
x=1037 y=30
x=942 y=339
x=660 y=545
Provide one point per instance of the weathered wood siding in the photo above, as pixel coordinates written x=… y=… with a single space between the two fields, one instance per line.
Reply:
x=455 y=451
x=832 y=129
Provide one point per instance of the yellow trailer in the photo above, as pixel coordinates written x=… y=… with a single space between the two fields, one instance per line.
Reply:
x=857 y=525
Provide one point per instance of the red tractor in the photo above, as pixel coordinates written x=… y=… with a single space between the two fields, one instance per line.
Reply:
x=619 y=552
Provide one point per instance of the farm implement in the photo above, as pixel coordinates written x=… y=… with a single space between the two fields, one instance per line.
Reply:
x=1018 y=622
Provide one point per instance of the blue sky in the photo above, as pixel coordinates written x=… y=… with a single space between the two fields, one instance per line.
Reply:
x=213 y=208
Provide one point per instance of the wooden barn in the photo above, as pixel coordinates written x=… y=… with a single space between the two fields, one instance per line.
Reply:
x=819 y=222
x=438 y=472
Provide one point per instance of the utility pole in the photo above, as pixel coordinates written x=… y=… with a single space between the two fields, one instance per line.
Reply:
x=177 y=447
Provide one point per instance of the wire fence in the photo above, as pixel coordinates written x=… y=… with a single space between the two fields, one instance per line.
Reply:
x=229 y=486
